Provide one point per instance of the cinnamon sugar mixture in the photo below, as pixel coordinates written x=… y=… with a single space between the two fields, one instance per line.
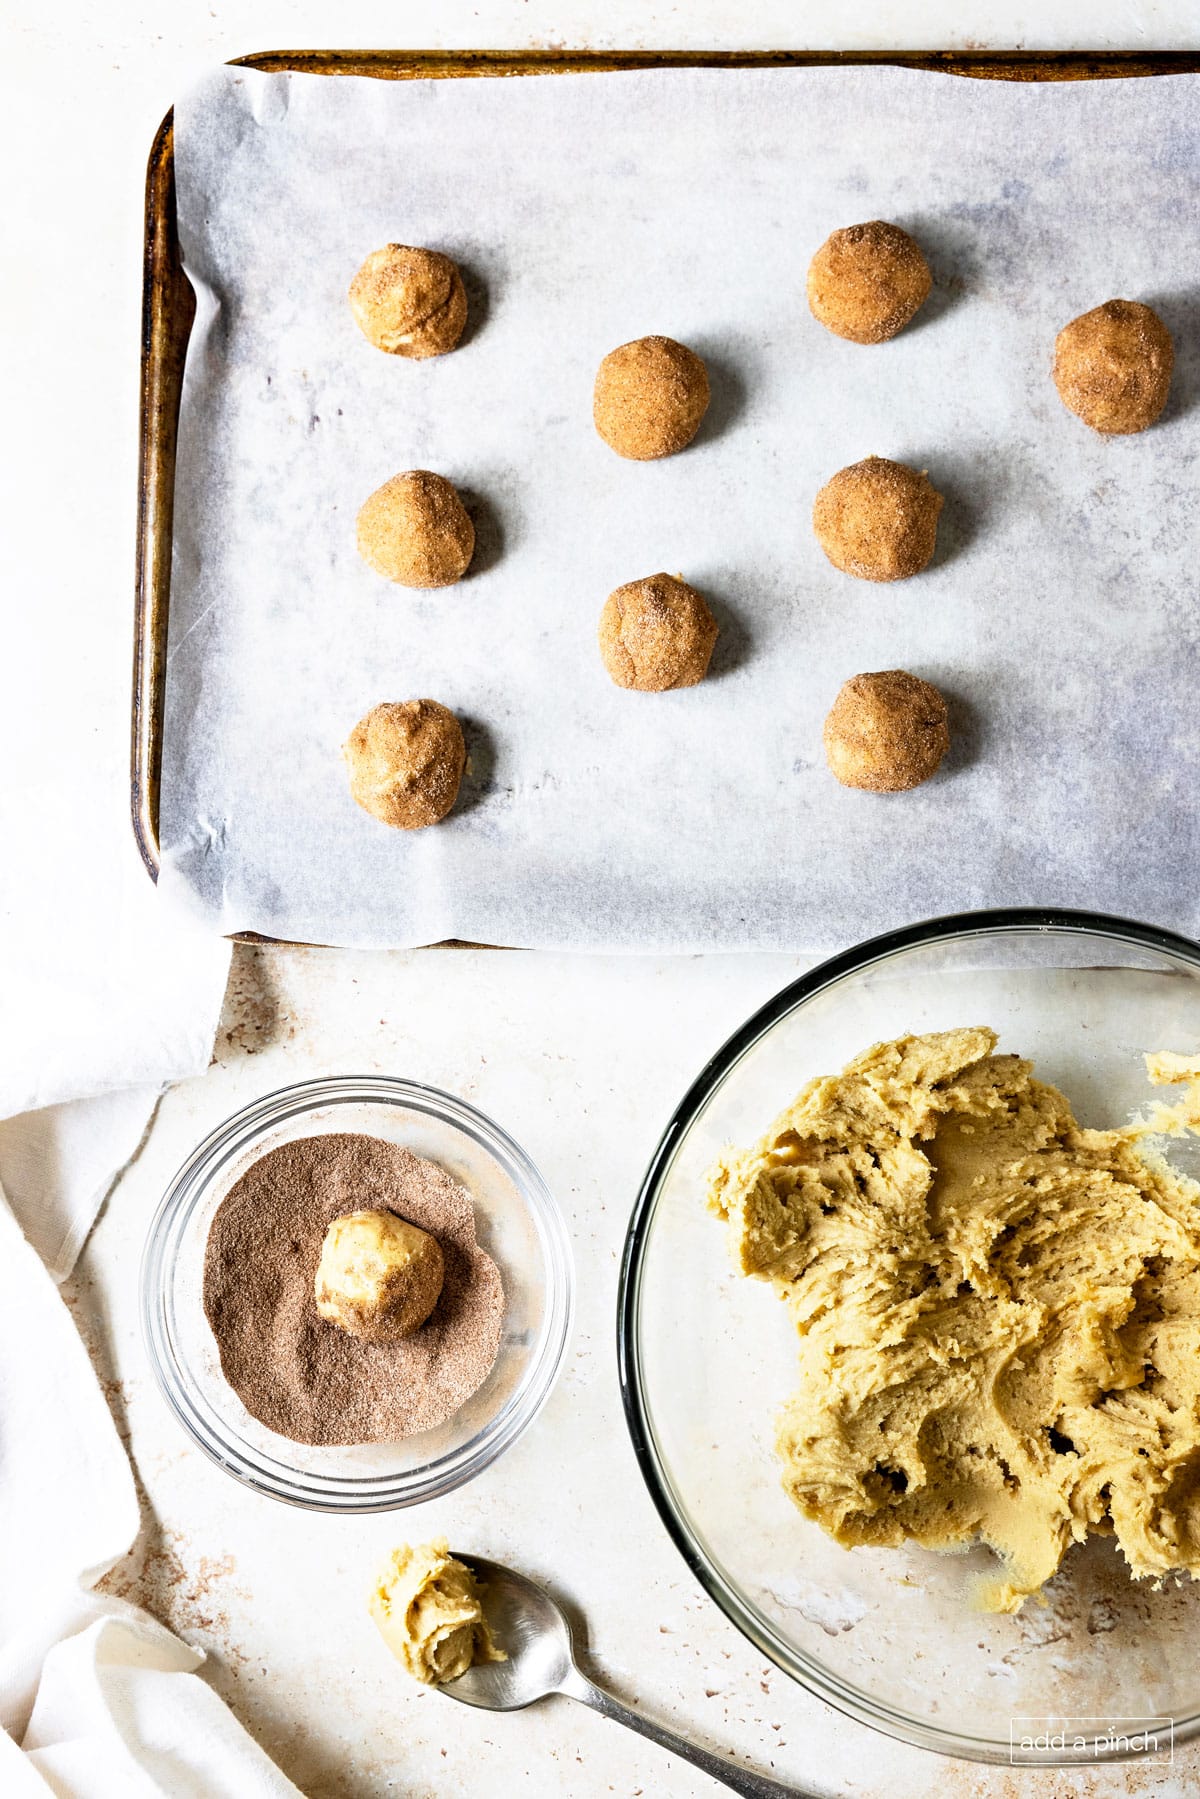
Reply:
x=302 y=1376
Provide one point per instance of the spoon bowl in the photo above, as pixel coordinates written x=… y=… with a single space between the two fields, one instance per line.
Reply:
x=535 y=1636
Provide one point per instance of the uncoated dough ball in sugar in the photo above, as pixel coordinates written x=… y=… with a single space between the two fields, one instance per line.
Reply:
x=379 y=1277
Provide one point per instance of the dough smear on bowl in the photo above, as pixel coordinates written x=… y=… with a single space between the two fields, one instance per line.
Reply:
x=998 y=1310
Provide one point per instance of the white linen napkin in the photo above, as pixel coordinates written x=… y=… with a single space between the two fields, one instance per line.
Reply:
x=107 y=993
x=102 y=1701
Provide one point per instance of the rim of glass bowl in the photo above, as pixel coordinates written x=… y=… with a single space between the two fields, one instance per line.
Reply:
x=263 y=1472
x=842 y=1695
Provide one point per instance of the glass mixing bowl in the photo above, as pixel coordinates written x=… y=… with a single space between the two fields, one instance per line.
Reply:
x=516 y=1221
x=706 y=1357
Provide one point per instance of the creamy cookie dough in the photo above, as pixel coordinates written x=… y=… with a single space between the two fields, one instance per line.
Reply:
x=998 y=1310
x=428 y=1609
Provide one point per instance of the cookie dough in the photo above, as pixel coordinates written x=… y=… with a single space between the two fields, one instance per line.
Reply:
x=867 y=281
x=650 y=397
x=408 y=301
x=427 y=1606
x=886 y=732
x=415 y=530
x=998 y=1310
x=1112 y=366
x=656 y=634
x=406 y=760
x=878 y=520
x=379 y=1277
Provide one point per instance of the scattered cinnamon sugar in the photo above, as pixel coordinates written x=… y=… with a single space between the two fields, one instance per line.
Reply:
x=302 y=1376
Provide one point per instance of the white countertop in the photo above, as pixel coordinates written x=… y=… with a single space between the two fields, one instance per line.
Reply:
x=581 y=1059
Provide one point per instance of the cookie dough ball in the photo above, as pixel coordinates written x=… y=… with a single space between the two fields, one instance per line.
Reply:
x=1112 y=366
x=886 y=732
x=429 y=1609
x=414 y=530
x=878 y=520
x=406 y=761
x=650 y=397
x=866 y=282
x=656 y=634
x=379 y=1277
x=409 y=302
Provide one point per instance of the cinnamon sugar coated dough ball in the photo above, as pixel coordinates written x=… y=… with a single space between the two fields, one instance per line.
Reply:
x=415 y=530
x=878 y=520
x=650 y=397
x=406 y=760
x=408 y=301
x=866 y=282
x=656 y=634
x=886 y=732
x=379 y=1277
x=1112 y=366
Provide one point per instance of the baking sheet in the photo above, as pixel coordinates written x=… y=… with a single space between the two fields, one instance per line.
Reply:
x=1060 y=614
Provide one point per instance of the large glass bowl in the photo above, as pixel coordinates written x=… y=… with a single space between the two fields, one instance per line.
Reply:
x=516 y=1221
x=890 y=1636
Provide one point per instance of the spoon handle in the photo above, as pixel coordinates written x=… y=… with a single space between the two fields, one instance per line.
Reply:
x=739 y=1780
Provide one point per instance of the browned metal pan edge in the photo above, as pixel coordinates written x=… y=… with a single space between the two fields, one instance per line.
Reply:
x=168 y=304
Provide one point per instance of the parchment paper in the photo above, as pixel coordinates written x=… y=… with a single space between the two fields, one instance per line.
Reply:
x=1060 y=615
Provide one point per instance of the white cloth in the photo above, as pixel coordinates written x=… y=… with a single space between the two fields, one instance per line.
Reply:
x=106 y=994
x=103 y=1701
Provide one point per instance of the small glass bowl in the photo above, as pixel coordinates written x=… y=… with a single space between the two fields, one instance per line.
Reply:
x=1102 y=1669
x=517 y=1223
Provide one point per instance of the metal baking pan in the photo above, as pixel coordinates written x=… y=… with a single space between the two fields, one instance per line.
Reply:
x=168 y=304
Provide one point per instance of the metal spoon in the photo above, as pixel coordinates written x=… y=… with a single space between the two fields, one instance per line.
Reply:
x=536 y=1637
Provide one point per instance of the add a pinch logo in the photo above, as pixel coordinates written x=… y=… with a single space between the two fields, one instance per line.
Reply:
x=1058 y=1739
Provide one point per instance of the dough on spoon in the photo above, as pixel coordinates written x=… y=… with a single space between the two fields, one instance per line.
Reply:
x=428 y=1608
